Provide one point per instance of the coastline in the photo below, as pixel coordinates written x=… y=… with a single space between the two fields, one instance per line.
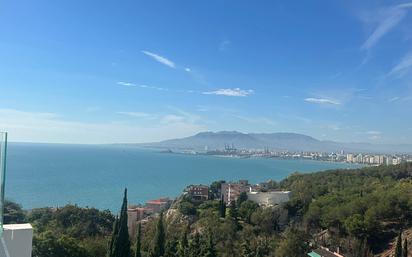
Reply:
x=94 y=175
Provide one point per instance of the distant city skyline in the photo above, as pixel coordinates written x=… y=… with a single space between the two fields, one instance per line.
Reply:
x=146 y=71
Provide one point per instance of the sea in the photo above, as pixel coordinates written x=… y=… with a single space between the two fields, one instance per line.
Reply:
x=53 y=175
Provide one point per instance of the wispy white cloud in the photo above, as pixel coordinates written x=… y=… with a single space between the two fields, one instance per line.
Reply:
x=322 y=101
x=172 y=118
x=126 y=84
x=374 y=135
x=230 y=92
x=137 y=114
x=334 y=127
x=258 y=120
x=370 y=134
x=160 y=59
x=188 y=69
x=224 y=45
x=403 y=67
x=24 y=126
x=222 y=91
x=394 y=99
x=154 y=87
x=187 y=115
x=373 y=132
x=387 y=20
x=130 y=84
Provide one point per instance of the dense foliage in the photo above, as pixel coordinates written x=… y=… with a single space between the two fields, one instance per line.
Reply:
x=360 y=211
x=69 y=231
x=369 y=204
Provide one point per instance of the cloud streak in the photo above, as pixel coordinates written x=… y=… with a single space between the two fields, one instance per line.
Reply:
x=230 y=92
x=126 y=84
x=224 y=45
x=160 y=59
x=258 y=120
x=136 y=114
x=24 y=126
x=403 y=67
x=323 y=101
x=130 y=84
x=223 y=91
x=391 y=17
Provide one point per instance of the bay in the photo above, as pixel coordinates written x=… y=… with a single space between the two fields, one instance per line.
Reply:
x=40 y=175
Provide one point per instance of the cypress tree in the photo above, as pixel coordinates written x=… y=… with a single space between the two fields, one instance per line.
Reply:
x=171 y=248
x=233 y=210
x=398 y=249
x=183 y=245
x=405 y=248
x=120 y=242
x=195 y=246
x=242 y=198
x=138 y=241
x=222 y=207
x=159 y=239
x=233 y=215
x=112 y=239
x=210 y=248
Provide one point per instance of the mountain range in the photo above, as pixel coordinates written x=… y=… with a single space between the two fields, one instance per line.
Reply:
x=275 y=141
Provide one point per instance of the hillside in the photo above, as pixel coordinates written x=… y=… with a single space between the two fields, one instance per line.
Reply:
x=359 y=211
x=277 y=141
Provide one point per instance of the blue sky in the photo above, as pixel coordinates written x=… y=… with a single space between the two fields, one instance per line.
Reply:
x=141 y=71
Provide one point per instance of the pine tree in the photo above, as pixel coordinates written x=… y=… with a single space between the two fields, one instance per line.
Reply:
x=171 y=248
x=183 y=245
x=138 y=241
x=246 y=251
x=398 y=249
x=120 y=242
x=195 y=246
x=159 y=239
x=210 y=248
x=262 y=248
x=405 y=248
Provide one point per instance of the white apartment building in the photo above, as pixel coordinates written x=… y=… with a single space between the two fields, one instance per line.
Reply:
x=271 y=198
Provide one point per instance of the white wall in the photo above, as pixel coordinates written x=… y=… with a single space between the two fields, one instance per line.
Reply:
x=269 y=198
x=18 y=240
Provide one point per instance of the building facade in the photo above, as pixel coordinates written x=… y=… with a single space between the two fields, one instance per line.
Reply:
x=134 y=215
x=231 y=191
x=198 y=192
x=271 y=198
x=158 y=205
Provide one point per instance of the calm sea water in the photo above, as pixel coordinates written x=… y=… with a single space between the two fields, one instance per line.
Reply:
x=42 y=175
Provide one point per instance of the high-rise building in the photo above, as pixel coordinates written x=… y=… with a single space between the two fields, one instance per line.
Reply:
x=349 y=157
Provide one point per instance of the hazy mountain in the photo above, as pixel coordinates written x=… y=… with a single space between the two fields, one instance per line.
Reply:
x=278 y=141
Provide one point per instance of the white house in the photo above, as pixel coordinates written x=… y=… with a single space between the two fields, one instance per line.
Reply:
x=269 y=198
x=16 y=240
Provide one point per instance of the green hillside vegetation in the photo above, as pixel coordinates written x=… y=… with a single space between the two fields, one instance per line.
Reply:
x=366 y=207
x=67 y=231
x=360 y=211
